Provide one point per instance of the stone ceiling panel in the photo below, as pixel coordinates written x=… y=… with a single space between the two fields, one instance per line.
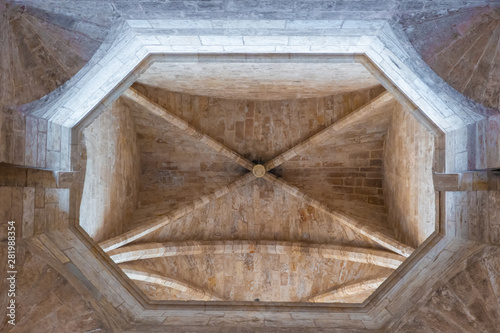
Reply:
x=175 y=168
x=272 y=81
x=346 y=172
x=41 y=50
x=260 y=130
x=259 y=211
x=271 y=209
x=266 y=277
x=322 y=186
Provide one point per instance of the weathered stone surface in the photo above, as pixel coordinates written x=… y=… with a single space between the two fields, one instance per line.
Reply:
x=259 y=129
x=158 y=250
x=268 y=277
x=259 y=211
x=41 y=50
x=468 y=302
x=407 y=184
x=46 y=301
x=273 y=81
x=47 y=41
x=462 y=48
x=112 y=169
x=345 y=171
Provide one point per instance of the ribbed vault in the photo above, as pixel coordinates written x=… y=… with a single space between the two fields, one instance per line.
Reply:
x=311 y=226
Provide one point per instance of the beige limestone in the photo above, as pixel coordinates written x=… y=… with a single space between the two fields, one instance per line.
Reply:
x=408 y=183
x=271 y=81
x=112 y=174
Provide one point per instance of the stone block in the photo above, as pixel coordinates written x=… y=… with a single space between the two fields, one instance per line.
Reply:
x=313 y=24
x=179 y=40
x=265 y=40
x=221 y=40
x=31 y=141
x=181 y=24
x=248 y=24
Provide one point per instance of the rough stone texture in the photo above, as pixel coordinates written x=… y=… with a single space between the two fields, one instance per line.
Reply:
x=464 y=52
x=477 y=214
x=34 y=201
x=33 y=143
x=487 y=145
x=260 y=130
x=346 y=171
x=259 y=211
x=175 y=169
x=158 y=292
x=46 y=301
x=266 y=277
x=40 y=50
x=263 y=10
x=112 y=169
x=272 y=81
x=467 y=302
x=408 y=186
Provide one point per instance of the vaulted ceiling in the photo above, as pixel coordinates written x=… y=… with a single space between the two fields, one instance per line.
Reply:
x=202 y=224
x=164 y=175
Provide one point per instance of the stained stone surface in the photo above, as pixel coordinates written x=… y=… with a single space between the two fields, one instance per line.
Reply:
x=345 y=172
x=272 y=81
x=47 y=302
x=66 y=282
x=465 y=53
x=467 y=302
x=408 y=186
x=112 y=158
x=41 y=49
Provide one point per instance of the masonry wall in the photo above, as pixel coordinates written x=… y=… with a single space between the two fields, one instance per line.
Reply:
x=345 y=172
x=260 y=129
x=467 y=302
x=487 y=135
x=408 y=187
x=32 y=199
x=46 y=301
x=111 y=175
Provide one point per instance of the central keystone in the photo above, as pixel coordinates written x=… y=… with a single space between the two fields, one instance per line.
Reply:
x=259 y=170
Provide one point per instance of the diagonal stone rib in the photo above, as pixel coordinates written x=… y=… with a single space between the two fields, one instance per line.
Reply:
x=328 y=132
x=186 y=288
x=186 y=128
x=327 y=251
x=366 y=230
x=351 y=289
x=162 y=220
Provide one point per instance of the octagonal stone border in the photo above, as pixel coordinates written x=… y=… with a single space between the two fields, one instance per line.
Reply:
x=121 y=66
x=299 y=58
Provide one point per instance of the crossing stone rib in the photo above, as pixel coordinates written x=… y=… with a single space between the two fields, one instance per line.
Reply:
x=366 y=230
x=159 y=221
x=327 y=133
x=154 y=108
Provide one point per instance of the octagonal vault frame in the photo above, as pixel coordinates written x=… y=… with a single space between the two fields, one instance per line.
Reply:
x=129 y=57
x=288 y=58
